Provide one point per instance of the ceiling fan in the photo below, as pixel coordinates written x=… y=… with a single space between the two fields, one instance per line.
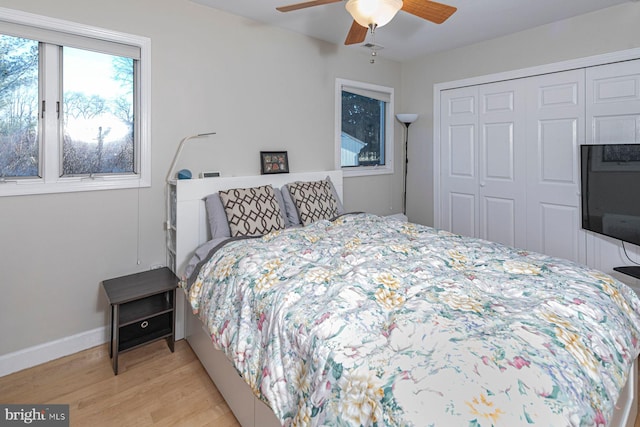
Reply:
x=371 y=14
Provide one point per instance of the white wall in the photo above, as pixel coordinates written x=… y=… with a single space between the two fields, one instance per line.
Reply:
x=258 y=87
x=609 y=30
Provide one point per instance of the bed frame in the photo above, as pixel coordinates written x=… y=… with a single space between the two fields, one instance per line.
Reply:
x=192 y=231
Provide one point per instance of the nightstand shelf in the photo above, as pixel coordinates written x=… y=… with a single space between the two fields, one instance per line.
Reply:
x=142 y=310
x=139 y=310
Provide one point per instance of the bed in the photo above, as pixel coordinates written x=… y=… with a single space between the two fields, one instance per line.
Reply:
x=365 y=320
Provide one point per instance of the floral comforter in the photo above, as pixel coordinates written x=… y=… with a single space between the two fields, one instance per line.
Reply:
x=371 y=321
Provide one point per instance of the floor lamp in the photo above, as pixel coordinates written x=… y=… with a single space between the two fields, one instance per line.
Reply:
x=406 y=119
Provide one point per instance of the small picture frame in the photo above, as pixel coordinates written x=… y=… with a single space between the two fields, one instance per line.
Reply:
x=274 y=162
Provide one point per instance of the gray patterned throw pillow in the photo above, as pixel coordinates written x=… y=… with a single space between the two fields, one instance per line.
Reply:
x=314 y=201
x=252 y=211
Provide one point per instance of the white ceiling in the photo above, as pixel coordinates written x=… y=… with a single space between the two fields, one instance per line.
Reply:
x=406 y=36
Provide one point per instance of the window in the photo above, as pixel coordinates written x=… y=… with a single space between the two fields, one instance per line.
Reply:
x=97 y=113
x=74 y=107
x=364 y=128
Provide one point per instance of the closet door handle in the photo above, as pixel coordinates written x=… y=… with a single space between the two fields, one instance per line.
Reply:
x=482 y=184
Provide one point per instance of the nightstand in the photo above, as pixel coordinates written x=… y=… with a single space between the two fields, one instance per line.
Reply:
x=142 y=310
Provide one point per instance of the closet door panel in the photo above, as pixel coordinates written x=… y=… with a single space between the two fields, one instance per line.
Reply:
x=498 y=156
x=501 y=227
x=558 y=235
x=613 y=99
x=461 y=151
x=463 y=216
x=555 y=123
x=458 y=161
x=558 y=141
x=502 y=177
x=615 y=129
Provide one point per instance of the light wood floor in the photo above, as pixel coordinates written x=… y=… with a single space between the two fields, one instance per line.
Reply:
x=154 y=388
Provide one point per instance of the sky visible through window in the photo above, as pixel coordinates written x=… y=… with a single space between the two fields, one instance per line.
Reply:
x=92 y=74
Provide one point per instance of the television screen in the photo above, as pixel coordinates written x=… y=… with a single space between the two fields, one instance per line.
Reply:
x=611 y=190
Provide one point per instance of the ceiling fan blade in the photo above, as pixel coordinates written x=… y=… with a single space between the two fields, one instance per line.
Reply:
x=357 y=34
x=305 y=4
x=429 y=10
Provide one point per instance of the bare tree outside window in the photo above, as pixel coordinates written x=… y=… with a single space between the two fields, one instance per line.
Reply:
x=19 y=148
x=97 y=111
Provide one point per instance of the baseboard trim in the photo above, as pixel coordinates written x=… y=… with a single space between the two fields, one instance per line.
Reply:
x=36 y=355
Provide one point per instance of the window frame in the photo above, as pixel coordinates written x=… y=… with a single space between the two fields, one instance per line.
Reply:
x=51 y=149
x=387 y=168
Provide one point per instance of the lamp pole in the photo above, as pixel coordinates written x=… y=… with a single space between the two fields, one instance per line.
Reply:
x=406 y=120
x=406 y=166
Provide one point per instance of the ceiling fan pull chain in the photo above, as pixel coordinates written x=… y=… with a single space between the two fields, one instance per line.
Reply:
x=372 y=27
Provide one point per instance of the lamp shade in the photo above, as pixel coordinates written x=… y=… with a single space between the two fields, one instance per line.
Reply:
x=373 y=12
x=407 y=118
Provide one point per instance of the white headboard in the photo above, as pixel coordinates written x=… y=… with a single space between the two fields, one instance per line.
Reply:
x=191 y=229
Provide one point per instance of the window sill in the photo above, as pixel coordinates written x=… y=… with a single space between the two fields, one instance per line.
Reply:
x=38 y=186
x=366 y=171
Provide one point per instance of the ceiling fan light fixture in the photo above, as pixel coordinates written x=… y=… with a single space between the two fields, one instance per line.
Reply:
x=373 y=12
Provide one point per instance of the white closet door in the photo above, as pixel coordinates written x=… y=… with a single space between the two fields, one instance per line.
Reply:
x=482 y=163
x=613 y=117
x=458 y=161
x=555 y=129
x=613 y=103
x=520 y=185
x=502 y=167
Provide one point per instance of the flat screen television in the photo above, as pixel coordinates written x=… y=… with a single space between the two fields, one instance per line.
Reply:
x=610 y=175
